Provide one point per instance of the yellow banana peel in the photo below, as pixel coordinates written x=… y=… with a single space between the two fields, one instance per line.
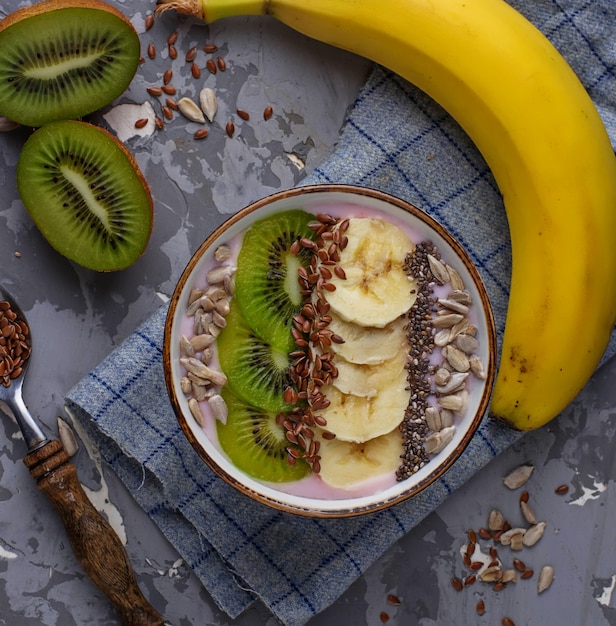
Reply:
x=539 y=132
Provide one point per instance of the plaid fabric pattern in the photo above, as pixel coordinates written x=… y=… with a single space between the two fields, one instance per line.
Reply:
x=396 y=139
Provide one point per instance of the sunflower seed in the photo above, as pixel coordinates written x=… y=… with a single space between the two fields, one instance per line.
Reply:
x=186 y=347
x=492 y=574
x=477 y=366
x=217 y=275
x=200 y=342
x=457 y=359
x=436 y=441
x=496 y=520
x=510 y=576
x=508 y=536
x=195 y=410
x=67 y=437
x=546 y=576
x=222 y=252
x=518 y=476
x=454 y=402
x=219 y=408
x=185 y=385
x=442 y=376
x=203 y=371
x=433 y=419
x=190 y=110
x=447 y=320
x=466 y=343
x=533 y=534
x=207 y=355
x=208 y=102
x=454 y=278
x=462 y=296
x=528 y=513
x=442 y=337
x=438 y=269
x=199 y=392
x=453 y=305
x=455 y=382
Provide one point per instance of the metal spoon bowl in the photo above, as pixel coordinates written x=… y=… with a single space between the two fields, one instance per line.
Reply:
x=11 y=387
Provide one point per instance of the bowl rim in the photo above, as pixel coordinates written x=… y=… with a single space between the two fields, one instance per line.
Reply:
x=489 y=367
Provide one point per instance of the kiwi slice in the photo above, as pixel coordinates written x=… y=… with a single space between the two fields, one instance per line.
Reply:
x=256 y=371
x=86 y=194
x=266 y=280
x=255 y=443
x=63 y=59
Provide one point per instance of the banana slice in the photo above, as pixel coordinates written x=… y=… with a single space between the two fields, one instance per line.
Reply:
x=376 y=290
x=365 y=381
x=360 y=418
x=366 y=345
x=345 y=464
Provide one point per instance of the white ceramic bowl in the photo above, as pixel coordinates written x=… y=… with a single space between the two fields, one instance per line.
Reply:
x=317 y=199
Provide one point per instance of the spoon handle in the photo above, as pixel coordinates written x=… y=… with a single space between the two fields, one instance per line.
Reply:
x=95 y=544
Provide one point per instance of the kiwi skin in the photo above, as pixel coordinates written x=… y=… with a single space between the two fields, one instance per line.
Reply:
x=48 y=196
x=39 y=114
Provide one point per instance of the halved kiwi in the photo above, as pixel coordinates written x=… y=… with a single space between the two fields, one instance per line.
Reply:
x=63 y=59
x=257 y=372
x=255 y=443
x=266 y=280
x=86 y=194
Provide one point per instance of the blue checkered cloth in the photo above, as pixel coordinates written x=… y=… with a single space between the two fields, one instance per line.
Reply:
x=398 y=140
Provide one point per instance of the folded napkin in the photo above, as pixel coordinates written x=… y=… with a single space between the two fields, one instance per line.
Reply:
x=395 y=139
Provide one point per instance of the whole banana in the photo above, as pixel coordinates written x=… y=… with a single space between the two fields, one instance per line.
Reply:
x=539 y=132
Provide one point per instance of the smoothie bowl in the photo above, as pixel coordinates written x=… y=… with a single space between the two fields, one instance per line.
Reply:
x=329 y=350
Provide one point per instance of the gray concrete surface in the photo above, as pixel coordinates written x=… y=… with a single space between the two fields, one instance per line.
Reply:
x=77 y=318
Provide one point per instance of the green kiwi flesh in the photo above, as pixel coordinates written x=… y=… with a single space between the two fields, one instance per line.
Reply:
x=86 y=194
x=267 y=289
x=256 y=371
x=255 y=443
x=59 y=61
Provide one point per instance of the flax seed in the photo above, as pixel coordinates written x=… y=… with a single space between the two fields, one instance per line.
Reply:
x=173 y=52
x=480 y=607
x=457 y=584
x=230 y=129
x=202 y=133
x=149 y=21
x=243 y=114
x=221 y=63
x=267 y=113
x=210 y=48
x=152 y=51
x=191 y=55
x=211 y=66
x=155 y=91
x=141 y=122
x=173 y=37
x=561 y=490
x=195 y=71
x=167 y=76
x=170 y=90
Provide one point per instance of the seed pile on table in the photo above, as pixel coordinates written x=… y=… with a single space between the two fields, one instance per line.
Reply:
x=165 y=94
x=489 y=568
x=14 y=343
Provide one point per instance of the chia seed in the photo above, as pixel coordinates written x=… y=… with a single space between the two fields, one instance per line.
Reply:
x=419 y=334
